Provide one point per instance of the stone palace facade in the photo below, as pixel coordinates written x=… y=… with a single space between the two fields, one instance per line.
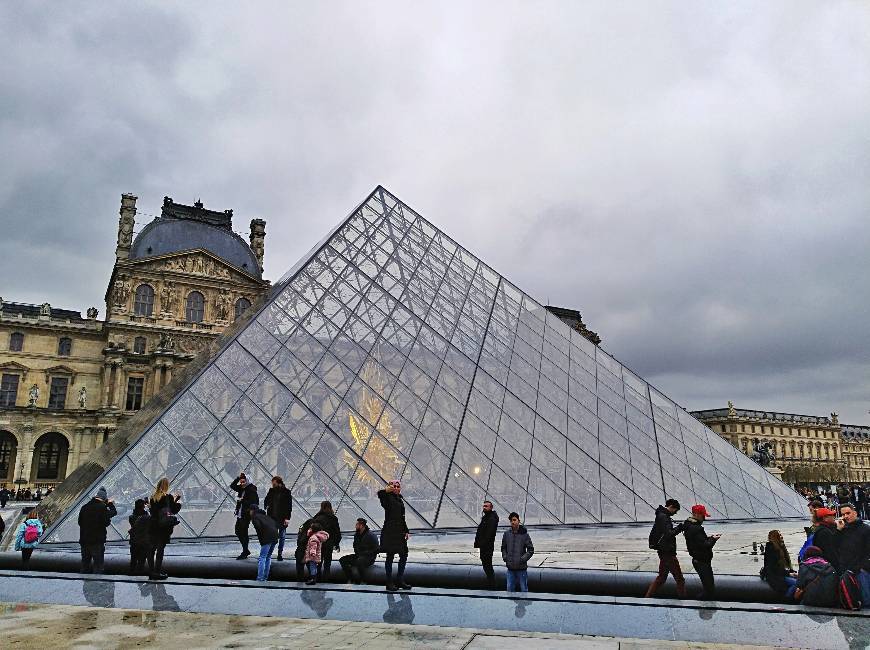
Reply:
x=67 y=381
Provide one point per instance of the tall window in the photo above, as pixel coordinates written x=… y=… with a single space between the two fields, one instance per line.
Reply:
x=8 y=391
x=16 y=342
x=64 y=346
x=134 y=393
x=52 y=449
x=195 y=307
x=57 y=392
x=143 y=304
x=8 y=447
x=242 y=305
x=139 y=344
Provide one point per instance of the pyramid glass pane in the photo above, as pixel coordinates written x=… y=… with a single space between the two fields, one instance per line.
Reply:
x=389 y=351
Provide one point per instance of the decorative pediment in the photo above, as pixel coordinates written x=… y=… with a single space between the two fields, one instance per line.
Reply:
x=12 y=368
x=60 y=370
x=195 y=262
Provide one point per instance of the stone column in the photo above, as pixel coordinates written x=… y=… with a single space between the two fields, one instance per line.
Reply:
x=125 y=226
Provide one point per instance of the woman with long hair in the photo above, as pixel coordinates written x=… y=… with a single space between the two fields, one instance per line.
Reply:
x=163 y=507
x=778 y=571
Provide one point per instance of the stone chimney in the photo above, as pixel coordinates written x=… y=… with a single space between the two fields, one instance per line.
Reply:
x=258 y=238
x=125 y=226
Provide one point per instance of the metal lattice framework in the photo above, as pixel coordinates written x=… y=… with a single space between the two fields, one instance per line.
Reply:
x=390 y=351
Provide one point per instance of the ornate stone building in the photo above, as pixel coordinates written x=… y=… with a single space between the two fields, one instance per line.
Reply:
x=67 y=381
x=810 y=449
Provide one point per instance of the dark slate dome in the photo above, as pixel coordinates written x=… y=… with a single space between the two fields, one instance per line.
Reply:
x=182 y=227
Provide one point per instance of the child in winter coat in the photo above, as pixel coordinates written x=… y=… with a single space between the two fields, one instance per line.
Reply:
x=817 y=580
x=316 y=537
x=27 y=537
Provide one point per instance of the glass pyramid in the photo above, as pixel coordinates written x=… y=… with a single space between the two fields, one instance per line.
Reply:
x=390 y=351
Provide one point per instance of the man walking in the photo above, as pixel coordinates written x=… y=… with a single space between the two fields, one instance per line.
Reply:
x=853 y=548
x=247 y=497
x=267 y=534
x=663 y=538
x=700 y=547
x=516 y=550
x=365 y=550
x=279 y=506
x=484 y=539
x=94 y=517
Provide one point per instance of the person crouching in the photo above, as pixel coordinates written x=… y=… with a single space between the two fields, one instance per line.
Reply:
x=316 y=537
x=267 y=534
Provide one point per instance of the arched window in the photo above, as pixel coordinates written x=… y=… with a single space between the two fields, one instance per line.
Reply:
x=242 y=305
x=51 y=452
x=195 y=307
x=16 y=342
x=64 y=346
x=143 y=304
x=8 y=454
x=139 y=344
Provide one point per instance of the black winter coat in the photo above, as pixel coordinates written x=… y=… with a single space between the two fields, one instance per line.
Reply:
x=516 y=548
x=698 y=543
x=365 y=545
x=266 y=527
x=329 y=523
x=666 y=544
x=302 y=539
x=279 y=504
x=484 y=538
x=247 y=497
x=94 y=517
x=827 y=539
x=161 y=535
x=394 y=529
x=853 y=546
x=819 y=581
x=774 y=574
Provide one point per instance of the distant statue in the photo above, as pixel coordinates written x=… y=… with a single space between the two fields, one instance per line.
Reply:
x=166 y=343
x=121 y=291
x=83 y=397
x=732 y=412
x=763 y=454
x=168 y=296
x=835 y=419
x=198 y=264
x=33 y=395
x=45 y=310
x=222 y=305
x=92 y=313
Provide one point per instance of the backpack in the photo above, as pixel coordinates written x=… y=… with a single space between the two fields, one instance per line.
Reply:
x=849 y=591
x=31 y=533
x=139 y=530
x=806 y=545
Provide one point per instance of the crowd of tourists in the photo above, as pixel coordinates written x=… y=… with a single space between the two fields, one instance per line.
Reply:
x=833 y=567
x=23 y=494
x=832 y=497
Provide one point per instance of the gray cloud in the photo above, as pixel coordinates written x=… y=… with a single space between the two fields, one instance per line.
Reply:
x=692 y=178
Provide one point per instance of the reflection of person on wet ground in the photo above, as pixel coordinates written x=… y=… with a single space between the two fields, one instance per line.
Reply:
x=99 y=593
x=318 y=602
x=521 y=606
x=399 y=611
x=161 y=600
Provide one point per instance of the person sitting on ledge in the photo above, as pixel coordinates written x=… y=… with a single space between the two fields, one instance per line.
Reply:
x=365 y=550
x=777 y=571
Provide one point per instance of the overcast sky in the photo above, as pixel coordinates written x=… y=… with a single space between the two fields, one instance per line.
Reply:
x=693 y=177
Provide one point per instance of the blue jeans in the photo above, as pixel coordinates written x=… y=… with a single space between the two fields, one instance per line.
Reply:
x=518 y=578
x=282 y=534
x=265 y=561
x=864 y=581
x=312 y=570
x=792 y=587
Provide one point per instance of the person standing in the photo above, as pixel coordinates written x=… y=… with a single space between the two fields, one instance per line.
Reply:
x=27 y=537
x=4 y=497
x=394 y=534
x=267 y=534
x=365 y=550
x=853 y=547
x=663 y=538
x=516 y=551
x=163 y=507
x=329 y=523
x=247 y=497
x=700 y=547
x=279 y=506
x=94 y=518
x=301 y=545
x=140 y=541
x=484 y=539
x=313 y=549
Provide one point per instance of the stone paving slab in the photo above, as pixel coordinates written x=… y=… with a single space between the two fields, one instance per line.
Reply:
x=65 y=626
